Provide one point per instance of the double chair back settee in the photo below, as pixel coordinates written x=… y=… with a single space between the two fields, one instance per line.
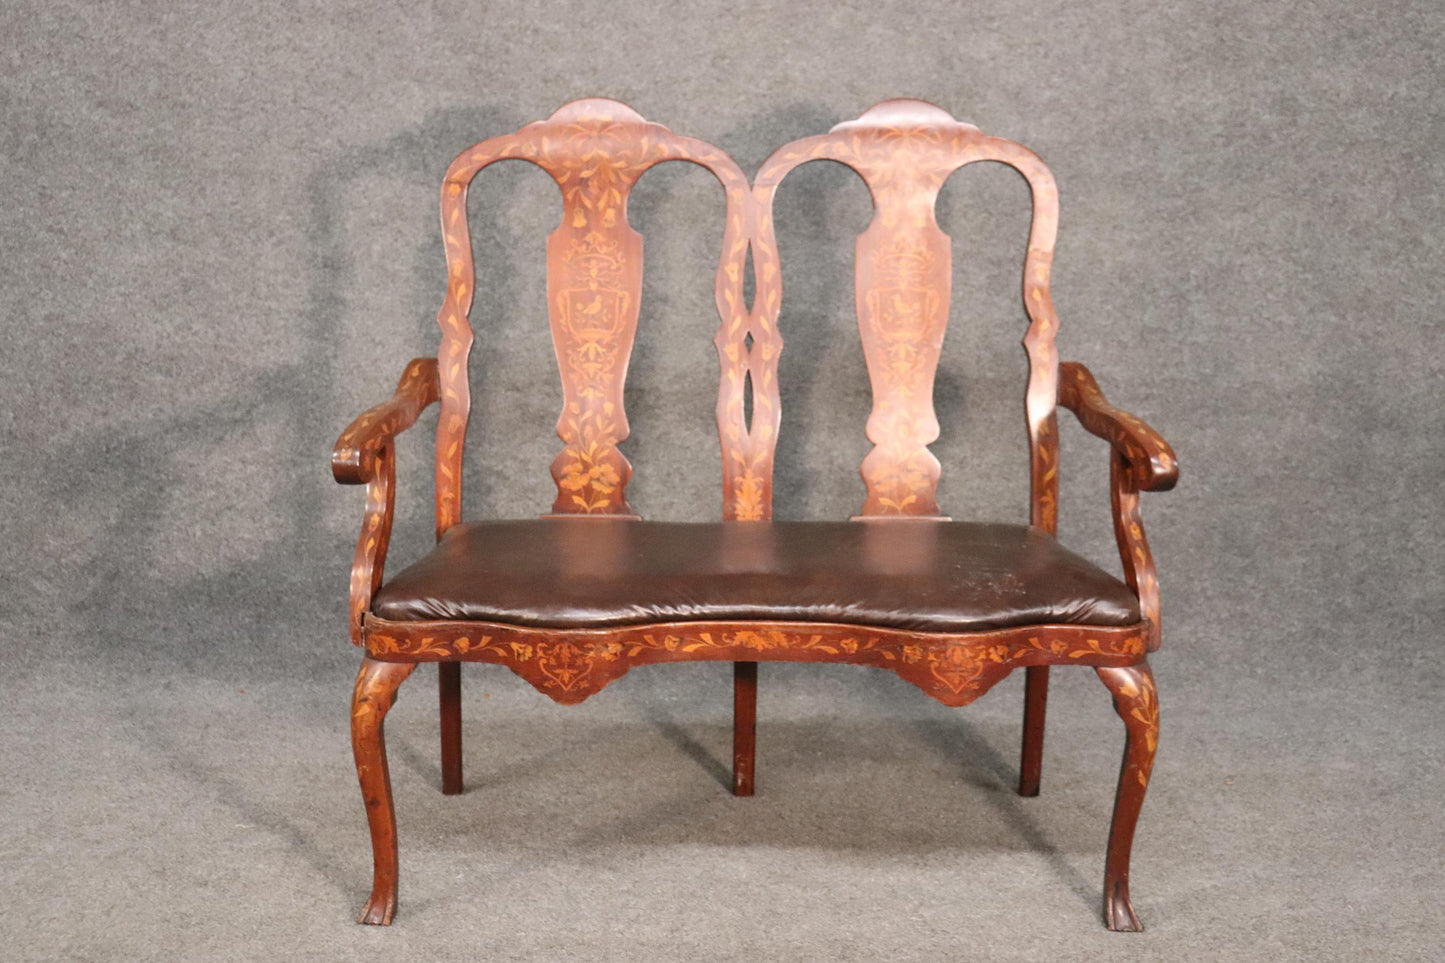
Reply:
x=574 y=599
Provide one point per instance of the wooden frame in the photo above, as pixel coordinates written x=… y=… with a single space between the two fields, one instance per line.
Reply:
x=904 y=150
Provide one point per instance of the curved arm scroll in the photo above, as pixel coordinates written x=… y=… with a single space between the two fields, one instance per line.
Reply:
x=1150 y=460
x=354 y=459
x=365 y=452
x=1134 y=552
x=1141 y=460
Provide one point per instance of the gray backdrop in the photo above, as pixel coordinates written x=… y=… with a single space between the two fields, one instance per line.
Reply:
x=218 y=243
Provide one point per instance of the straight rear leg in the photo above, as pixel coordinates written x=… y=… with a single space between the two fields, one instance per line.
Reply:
x=745 y=726
x=1036 y=699
x=449 y=692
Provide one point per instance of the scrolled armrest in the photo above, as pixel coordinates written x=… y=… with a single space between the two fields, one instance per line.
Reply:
x=364 y=454
x=1151 y=461
x=353 y=460
x=1141 y=461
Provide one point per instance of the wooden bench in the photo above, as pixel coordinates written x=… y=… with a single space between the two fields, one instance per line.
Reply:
x=574 y=599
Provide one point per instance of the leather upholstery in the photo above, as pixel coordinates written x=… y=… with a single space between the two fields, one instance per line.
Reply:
x=927 y=576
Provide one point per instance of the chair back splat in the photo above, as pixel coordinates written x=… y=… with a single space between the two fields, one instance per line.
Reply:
x=904 y=150
x=595 y=150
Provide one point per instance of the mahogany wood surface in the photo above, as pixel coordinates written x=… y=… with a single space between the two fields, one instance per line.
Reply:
x=904 y=150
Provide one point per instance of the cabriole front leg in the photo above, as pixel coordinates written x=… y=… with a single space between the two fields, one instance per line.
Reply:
x=376 y=686
x=1137 y=703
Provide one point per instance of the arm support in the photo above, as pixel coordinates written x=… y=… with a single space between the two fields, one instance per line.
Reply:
x=1150 y=460
x=354 y=459
x=365 y=454
x=1140 y=461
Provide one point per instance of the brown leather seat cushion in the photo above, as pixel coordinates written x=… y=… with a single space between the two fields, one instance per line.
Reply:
x=918 y=575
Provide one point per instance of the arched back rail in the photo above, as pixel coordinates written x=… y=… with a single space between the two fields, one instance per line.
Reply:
x=595 y=149
x=904 y=150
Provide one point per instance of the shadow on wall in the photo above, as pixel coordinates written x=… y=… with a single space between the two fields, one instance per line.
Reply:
x=205 y=593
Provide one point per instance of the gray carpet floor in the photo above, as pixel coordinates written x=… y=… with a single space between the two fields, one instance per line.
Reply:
x=174 y=816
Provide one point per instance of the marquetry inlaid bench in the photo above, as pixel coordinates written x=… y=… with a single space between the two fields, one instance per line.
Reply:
x=574 y=599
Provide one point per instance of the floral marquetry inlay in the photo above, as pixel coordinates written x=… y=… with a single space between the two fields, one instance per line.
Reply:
x=570 y=666
x=594 y=319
